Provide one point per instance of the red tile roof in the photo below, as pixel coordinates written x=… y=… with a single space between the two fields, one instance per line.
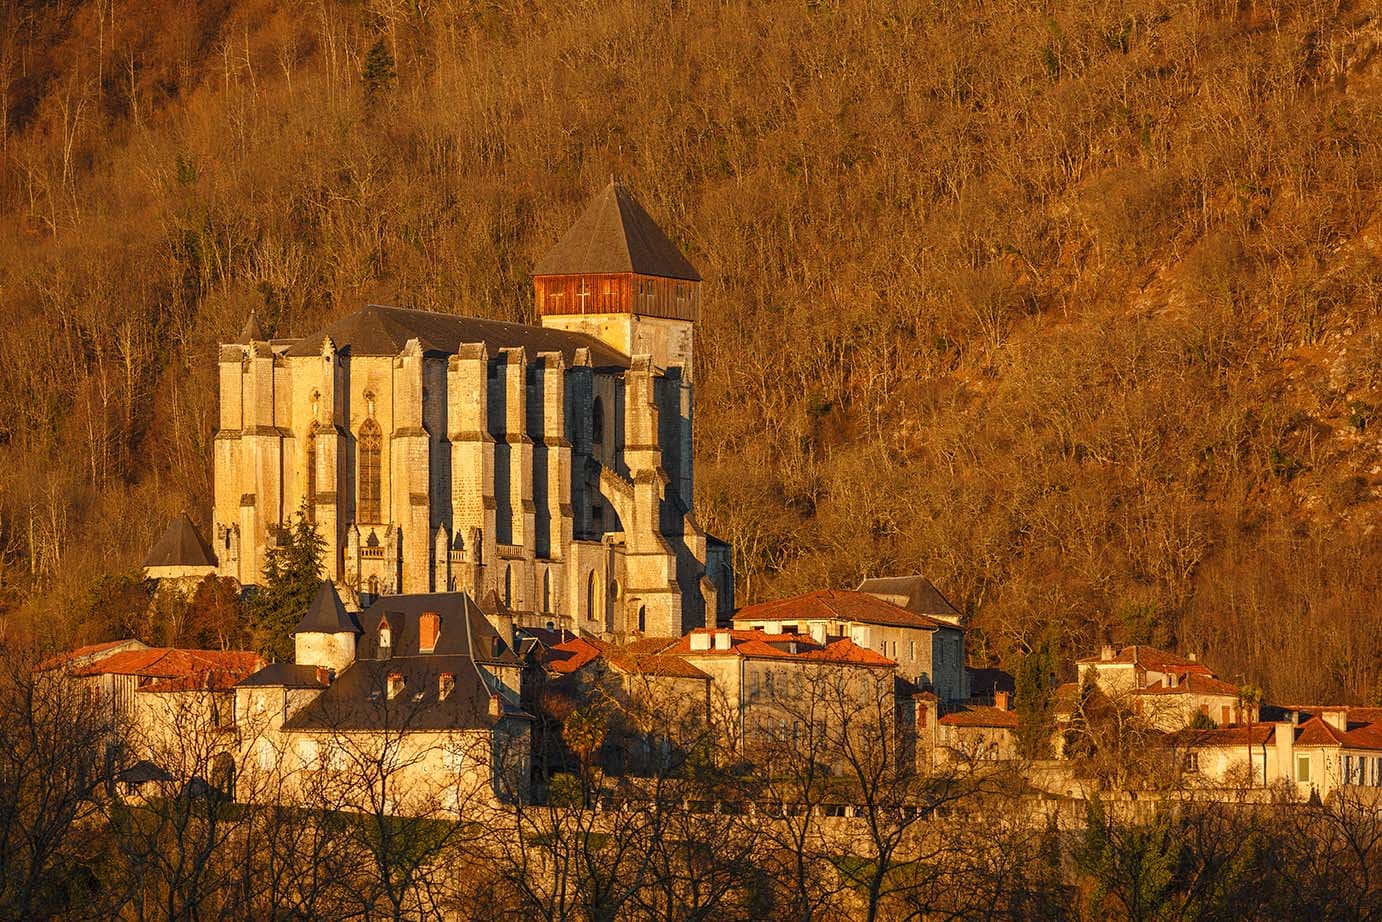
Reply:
x=571 y=655
x=758 y=645
x=1192 y=683
x=981 y=717
x=840 y=605
x=1149 y=658
x=578 y=652
x=81 y=653
x=178 y=670
x=1365 y=737
x=1315 y=732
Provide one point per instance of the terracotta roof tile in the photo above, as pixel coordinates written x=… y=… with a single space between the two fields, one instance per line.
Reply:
x=1149 y=658
x=1254 y=735
x=82 y=652
x=1315 y=732
x=979 y=716
x=172 y=669
x=1368 y=736
x=759 y=645
x=1192 y=683
x=839 y=605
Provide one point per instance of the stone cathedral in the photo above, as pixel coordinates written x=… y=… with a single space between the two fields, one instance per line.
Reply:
x=549 y=465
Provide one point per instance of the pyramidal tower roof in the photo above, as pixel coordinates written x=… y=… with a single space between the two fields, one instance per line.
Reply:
x=326 y=614
x=615 y=235
x=253 y=332
x=180 y=546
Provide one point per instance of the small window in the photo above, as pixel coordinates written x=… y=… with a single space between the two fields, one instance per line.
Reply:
x=1303 y=768
x=642 y=618
x=912 y=650
x=508 y=586
x=546 y=591
x=1192 y=763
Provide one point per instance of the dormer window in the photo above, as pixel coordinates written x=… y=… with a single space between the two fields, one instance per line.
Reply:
x=395 y=685
x=446 y=684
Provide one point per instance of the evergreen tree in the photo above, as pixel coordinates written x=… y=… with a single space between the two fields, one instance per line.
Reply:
x=1033 y=700
x=378 y=71
x=292 y=575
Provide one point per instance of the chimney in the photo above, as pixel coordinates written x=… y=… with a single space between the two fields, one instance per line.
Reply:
x=323 y=675
x=1284 y=735
x=1336 y=718
x=724 y=640
x=1002 y=700
x=1194 y=657
x=395 y=684
x=446 y=683
x=1107 y=653
x=428 y=629
x=700 y=640
x=818 y=633
x=496 y=707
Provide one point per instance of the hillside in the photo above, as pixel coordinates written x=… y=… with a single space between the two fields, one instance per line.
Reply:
x=1078 y=310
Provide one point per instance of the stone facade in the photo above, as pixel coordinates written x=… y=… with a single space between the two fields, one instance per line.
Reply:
x=549 y=464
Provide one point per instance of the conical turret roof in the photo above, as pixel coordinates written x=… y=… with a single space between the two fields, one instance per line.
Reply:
x=180 y=546
x=615 y=235
x=326 y=614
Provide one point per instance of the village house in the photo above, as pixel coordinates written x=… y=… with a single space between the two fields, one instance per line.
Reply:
x=551 y=464
x=928 y=650
x=966 y=732
x=171 y=707
x=1168 y=690
x=769 y=689
x=410 y=706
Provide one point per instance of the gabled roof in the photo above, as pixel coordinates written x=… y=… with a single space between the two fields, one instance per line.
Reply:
x=327 y=614
x=1148 y=658
x=380 y=330
x=840 y=605
x=914 y=593
x=642 y=659
x=1315 y=732
x=359 y=700
x=83 y=655
x=615 y=235
x=180 y=546
x=981 y=716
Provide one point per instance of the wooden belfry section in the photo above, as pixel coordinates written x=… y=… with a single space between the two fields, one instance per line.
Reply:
x=616 y=260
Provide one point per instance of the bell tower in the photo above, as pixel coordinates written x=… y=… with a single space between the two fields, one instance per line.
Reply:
x=617 y=277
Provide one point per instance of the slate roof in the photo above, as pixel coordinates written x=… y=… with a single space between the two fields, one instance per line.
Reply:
x=359 y=700
x=286 y=675
x=984 y=682
x=327 y=614
x=615 y=235
x=380 y=330
x=981 y=716
x=916 y=591
x=253 y=332
x=840 y=605
x=180 y=546
x=455 y=610
x=143 y=772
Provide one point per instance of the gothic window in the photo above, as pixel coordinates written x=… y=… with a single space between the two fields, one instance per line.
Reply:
x=310 y=474
x=371 y=444
x=592 y=594
x=614 y=596
x=597 y=423
x=546 y=591
x=508 y=586
x=642 y=618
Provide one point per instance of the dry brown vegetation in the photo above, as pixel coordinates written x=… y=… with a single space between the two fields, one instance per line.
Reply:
x=1072 y=306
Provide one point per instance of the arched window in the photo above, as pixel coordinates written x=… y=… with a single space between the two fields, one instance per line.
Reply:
x=592 y=595
x=642 y=618
x=546 y=592
x=371 y=444
x=597 y=424
x=309 y=473
x=508 y=586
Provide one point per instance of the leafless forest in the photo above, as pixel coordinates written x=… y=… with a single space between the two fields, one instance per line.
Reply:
x=1072 y=306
